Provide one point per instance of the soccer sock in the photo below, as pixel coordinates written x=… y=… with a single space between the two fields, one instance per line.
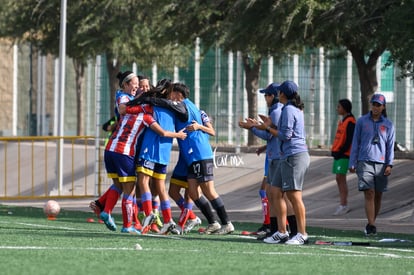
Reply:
x=112 y=198
x=183 y=217
x=127 y=210
x=218 y=205
x=146 y=203
x=180 y=203
x=166 y=211
x=262 y=194
x=191 y=214
x=102 y=199
x=273 y=224
x=266 y=211
x=293 y=226
x=265 y=206
x=205 y=208
x=155 y=204
x=139 y=203
x=135 y=219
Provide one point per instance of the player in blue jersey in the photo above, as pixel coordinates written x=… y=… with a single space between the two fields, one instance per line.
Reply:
x=188 y=220
x=153 y=158
x=198 y=155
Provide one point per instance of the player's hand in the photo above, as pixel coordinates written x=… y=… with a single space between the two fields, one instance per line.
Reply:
x=194 y=126
x=181 y=134
x=387 y=171
x=248 y=123
x=260 y=150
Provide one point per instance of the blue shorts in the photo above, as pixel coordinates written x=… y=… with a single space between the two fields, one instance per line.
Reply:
x=120 y=166
x=152 y=169
x=291 y=171
x=371 y=176
x=179 y=175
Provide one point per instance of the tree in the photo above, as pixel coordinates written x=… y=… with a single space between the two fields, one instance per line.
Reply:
x=363 y=28
x=246 y=26
x=120 y=30
x=399 y=37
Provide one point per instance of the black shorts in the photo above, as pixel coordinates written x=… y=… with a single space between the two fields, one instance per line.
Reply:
x=201 y=170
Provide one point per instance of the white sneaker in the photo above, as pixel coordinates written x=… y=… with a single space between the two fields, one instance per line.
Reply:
x=225 y=229
x=178 y=231
x=167 y=228
x=190 y=224
x=277 y=237
x=341 y=210
x=212 y=227
x=298 y=239
x=148 y=220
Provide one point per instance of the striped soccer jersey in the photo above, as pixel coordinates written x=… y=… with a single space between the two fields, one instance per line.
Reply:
x=130 y=127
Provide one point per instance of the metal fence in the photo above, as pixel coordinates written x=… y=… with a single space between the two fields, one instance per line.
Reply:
x=218 y=79
x=30 y=167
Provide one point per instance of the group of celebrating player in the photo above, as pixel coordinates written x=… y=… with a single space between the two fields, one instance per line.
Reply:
x=137 y=154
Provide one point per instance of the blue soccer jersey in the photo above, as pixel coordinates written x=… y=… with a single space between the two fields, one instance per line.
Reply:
x=196 y=146
x=154 y=147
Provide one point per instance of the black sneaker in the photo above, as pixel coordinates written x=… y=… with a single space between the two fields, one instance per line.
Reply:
x=370 y=230
x=263 y=230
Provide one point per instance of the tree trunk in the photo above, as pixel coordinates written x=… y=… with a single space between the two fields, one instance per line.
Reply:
x=80 y=77
x=113 y=69
x=367 y=71
x=252 y=70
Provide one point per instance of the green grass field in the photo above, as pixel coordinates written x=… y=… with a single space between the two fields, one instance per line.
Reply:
x=31 y=244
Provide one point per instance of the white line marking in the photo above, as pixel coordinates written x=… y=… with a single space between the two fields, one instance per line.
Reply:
x=348 y=253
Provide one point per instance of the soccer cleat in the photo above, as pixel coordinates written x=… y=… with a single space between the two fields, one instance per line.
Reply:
x=341 y=210
x=130 y=230
x=225 y=229
x=263 y=230
x=212 y=228
x=190 y=224
x=94 y=205
x=108 y=220
x=147 y=222
x=178 y=231
x=157 y=217
x=370 y=230
x=154 y=228
x=168 y=227
x=298 y=239
x=277 y=238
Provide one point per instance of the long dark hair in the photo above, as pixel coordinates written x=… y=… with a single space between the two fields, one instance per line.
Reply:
x=162 y=90
x=296 y=101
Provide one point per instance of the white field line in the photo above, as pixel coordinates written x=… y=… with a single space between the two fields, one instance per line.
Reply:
x=347 y=253
x=42 y=225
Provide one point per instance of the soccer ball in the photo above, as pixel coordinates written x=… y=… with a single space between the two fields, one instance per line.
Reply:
x=51 y=209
